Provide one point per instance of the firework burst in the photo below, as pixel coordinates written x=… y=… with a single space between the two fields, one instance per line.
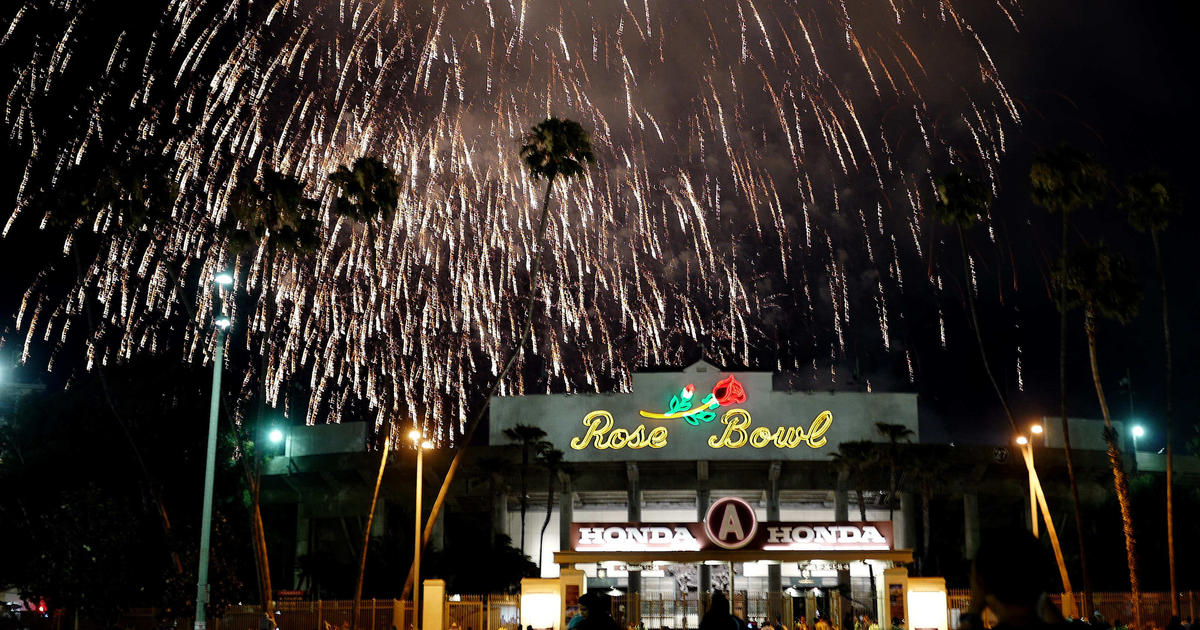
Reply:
x=760 y=190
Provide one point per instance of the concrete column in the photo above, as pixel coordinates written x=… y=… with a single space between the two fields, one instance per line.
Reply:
x=634 y=514
x=379 y=523
x=500 y=515
x=906 y=536
x=841 y=497
x=566 y=512
x=433 y=605
x=774 y=571
x=437 y=542
x=703 y=498
x=970 y=524
x=303 y=536
x=841 y=512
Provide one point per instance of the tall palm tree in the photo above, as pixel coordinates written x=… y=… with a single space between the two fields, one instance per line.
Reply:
x=1101 y=282
x=492 y=471
x=928 y=471
x=552 y=149
x=362 y=558
x=961 y=199
x=1065 y=180
x=894 y=434
x=552 y=460
x=368 y=193
x=530 y=440
x=856 y=459
x=273 y=214
x=1151 y=203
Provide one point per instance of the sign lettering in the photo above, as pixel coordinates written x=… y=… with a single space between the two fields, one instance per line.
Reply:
x=601 y=435
x=731 y=526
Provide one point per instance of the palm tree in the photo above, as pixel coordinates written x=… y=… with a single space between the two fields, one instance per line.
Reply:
x=530 y=439
x=367 y=193
x=961 y=199
x=928 y=469
x=1151 y=203
x=855 y=459
x=894 y=433
x=1102 y=283
x=552 y=460
x=362 y=558
x=274 y=215
x=492 y=471
x=1064 y=180
x=553 y=148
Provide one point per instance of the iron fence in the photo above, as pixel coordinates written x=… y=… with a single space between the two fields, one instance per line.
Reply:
x=1115 y=607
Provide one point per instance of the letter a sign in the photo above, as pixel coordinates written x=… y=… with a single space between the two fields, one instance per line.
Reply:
x=730 y=523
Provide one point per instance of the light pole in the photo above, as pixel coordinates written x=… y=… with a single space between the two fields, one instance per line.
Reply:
x=223 y=279
x=421 y=445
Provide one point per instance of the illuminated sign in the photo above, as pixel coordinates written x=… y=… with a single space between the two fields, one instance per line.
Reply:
x=727 y=391
x=730 y=524
x=737 y=433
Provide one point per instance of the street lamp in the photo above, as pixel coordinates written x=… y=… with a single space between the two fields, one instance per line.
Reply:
x=223 y=279
x=421 y=445
x=276 y=436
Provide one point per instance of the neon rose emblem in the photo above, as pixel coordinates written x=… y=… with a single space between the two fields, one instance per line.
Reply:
x=728 y=391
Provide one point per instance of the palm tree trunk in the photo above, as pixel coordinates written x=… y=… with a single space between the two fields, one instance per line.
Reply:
x=862 y=513
x=1089 y=604
x=1120 y=483
x=1162 y=283
x=962 y=242
x=362 y=560
x=524 y=491
x=436 y=508
x=549 y=510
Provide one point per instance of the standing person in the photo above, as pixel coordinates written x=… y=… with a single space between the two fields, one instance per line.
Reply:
x=1010 y=576
x=802 y=624
x=718 y=616
x=822 y=624
x=596 y=610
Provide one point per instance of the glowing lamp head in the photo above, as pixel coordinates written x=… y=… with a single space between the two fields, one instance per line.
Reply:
x=1022 y=440
x=426 y=445
x=224 y=279
x=276 y=436
x=414 y=435
x=222 y=323
x=1036 y=429
x=1138 y=431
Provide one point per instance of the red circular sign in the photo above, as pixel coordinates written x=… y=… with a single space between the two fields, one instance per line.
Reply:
x=730 y=523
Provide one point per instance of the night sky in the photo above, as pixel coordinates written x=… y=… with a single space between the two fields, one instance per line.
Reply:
x=1109 y=78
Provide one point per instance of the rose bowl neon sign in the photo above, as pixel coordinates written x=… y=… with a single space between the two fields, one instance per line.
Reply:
x=601 y=432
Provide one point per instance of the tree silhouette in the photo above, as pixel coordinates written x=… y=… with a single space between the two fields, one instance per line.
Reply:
x=1102 y=284
x=961 y=199
x=1151 y=203
x=530 y=439
x=553 y=148
x=894 y=434
x=1065 y=180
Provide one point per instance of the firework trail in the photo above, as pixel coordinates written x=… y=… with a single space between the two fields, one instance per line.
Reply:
x=762 y=172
